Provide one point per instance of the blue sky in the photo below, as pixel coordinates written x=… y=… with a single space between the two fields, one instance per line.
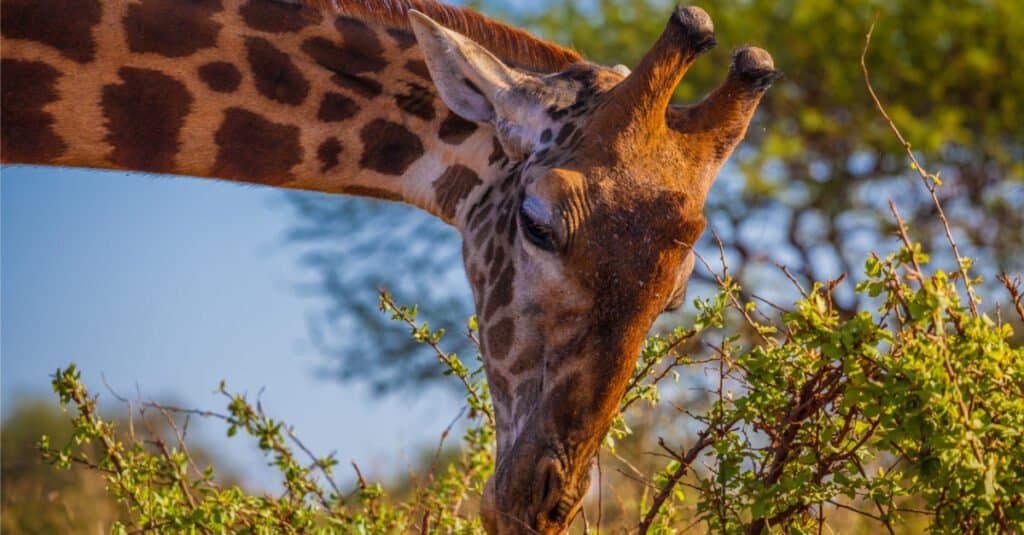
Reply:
x=173 y=284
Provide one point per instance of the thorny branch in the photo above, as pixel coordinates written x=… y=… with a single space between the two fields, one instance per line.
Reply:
x=931 y=182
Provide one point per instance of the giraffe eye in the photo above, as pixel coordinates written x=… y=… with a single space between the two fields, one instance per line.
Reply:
x=538 y=233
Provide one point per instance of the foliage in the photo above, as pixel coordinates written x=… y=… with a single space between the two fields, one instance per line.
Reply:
x=920 y=399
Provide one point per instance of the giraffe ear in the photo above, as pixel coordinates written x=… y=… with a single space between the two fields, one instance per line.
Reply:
x=478 y=86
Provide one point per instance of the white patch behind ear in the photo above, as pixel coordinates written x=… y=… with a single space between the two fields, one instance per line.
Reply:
x=622 y=69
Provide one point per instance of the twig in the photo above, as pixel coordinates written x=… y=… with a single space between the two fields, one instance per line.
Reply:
x=929 y=180
x=1013 y=286
x=704 y=439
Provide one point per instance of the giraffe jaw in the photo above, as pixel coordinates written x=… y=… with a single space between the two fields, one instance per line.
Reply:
x=544 y=499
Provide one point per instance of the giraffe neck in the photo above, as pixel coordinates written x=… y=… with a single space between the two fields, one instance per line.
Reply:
x=293 y=95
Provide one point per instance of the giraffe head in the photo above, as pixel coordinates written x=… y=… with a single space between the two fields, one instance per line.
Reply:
x=581 y=240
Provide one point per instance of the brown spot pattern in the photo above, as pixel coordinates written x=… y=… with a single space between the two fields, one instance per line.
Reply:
x=346 y=64
x=360 y=85
x=454 y=129
x=527 y=358
x=278 y=17
x=25 y=129
x=388 y=148
x=220 y=76
x=276 y=77
x=403 y=38
x=417 y=101
x=564 y=133
x=499 y=338
x=452 y=186
x=363 y=49
x=419 y=68
x=63 y=24
x=145 y=114
x=497 y=153
x=336 y=107
x=254 y=149
x=327 y=153
x=501 y=292
x=172 y=28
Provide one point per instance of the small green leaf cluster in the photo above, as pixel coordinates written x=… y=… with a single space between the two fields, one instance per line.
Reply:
x=161 y=487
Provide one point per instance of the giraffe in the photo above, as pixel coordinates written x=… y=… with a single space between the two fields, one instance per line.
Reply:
x=577 y=188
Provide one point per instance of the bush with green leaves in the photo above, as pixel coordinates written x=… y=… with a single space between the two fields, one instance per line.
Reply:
x=904 y=415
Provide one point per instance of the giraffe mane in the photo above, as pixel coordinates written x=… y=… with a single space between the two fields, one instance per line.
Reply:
x=512 y=45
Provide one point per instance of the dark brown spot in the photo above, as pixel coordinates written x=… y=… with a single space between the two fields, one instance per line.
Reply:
x=370 y=191
x=172 y=28
x=403 y=38
x=145 y=114
x=388 y=148
x=419 y=68
x=455 y=129
x=361 y=85
x=276 y=77
x=479 y=210
x=327 y=153
x=545 y=136
x=501 y=291
x=63 y=24
x=512 y=227
x=254 y=149
x=499 y=256
x=27 y=130
x=556 y=113
x=564 y=133
x=220 y=76
x=482 y=235
x=452 y=186
x=336 y=107
x=346 y=65
x=361 y=44
x=279 y=17
x=499 y=338
x=418 y=101
x=361 y=52
x=497 y=153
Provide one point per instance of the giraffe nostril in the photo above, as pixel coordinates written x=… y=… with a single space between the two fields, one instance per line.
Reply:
x=549 y=489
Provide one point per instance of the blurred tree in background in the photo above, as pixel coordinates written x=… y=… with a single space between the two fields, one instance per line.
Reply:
x=39 y=499
x=807 y=189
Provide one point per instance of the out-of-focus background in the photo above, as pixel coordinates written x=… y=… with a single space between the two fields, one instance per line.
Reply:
x=162 y=287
